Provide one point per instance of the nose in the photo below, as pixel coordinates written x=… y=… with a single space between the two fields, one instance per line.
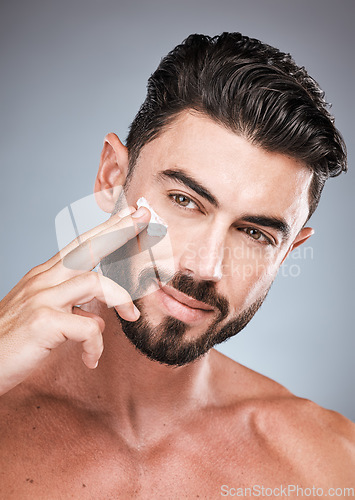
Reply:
x=203 y=255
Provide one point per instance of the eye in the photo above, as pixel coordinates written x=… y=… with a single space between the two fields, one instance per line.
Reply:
x=183 y=201
x=256 y=235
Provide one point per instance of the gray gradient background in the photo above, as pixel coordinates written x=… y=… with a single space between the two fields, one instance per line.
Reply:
x=73 y=71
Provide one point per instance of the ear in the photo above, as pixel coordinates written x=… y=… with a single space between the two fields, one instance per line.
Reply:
x=303 y=235
x=112 y=172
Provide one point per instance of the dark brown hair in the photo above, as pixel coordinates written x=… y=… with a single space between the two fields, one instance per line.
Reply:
x=252 y=89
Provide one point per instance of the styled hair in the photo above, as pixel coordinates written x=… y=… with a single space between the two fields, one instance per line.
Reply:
x=251 y=88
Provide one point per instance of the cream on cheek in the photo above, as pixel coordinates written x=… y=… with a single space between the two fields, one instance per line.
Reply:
x=157 y=226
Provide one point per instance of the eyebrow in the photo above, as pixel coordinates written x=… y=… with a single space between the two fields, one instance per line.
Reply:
x=273 y=222
x=276 y=223
x=190 y=182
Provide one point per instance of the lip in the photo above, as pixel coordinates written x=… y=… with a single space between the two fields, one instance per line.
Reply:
x=185 y=299
x=181 y=306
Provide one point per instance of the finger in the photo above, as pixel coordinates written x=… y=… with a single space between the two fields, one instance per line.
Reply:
x=87 y=255
x=76 y=328
x=84 y=237
x=87 y=314
x=88 y=286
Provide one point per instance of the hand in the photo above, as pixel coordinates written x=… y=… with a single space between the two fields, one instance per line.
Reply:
x=41 y=312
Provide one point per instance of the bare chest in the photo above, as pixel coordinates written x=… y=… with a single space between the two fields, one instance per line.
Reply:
x=58 y=456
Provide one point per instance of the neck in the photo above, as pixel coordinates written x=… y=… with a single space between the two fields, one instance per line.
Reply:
x=142 y=397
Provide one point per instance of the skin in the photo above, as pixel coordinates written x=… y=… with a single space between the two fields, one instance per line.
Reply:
x=134 y=428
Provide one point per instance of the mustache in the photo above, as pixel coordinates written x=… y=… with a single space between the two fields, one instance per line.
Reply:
x=203 y=291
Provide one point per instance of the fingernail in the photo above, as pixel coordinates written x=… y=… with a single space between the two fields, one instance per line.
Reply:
x=136 y=311
x=139 y=213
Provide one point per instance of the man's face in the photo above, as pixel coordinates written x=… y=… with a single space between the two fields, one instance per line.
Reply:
x=233 y=210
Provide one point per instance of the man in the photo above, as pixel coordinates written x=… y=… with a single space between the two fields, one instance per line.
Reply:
x=231 y=148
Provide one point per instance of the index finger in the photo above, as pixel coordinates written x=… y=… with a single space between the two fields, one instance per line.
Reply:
x=88 y=254
x=59 y=256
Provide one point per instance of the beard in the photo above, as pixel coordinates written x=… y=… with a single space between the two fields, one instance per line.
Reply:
x=166 y=343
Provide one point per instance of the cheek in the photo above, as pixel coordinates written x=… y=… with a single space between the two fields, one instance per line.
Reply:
x=162 y=250
x=248 y=262
x=179 y=245
x=260 y=285
x=246 y=280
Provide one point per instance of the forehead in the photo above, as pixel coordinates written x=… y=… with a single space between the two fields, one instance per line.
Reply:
x=242 y=176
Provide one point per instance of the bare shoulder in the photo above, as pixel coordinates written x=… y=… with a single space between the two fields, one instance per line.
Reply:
x=318 y=443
